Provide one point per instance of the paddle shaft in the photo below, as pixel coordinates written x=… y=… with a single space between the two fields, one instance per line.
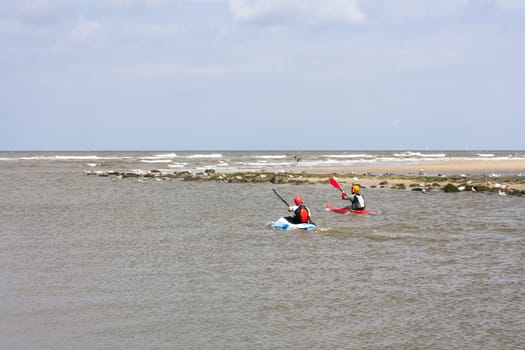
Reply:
x=281 y=198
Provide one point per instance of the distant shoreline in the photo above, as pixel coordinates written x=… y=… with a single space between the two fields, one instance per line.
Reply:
x=447 y=167
x=509 y=172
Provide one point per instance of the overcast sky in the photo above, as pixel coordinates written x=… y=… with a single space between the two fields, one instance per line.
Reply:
x=262 y=75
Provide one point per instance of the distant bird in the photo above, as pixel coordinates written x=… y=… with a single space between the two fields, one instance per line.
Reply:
x=502 y=193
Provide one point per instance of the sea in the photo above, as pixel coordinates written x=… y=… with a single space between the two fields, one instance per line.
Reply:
x=92 y=262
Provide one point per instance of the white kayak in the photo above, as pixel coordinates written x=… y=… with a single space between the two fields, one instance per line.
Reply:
x=283 y=224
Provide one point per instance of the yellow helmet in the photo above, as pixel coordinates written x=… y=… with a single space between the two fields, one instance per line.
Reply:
x=355 y=188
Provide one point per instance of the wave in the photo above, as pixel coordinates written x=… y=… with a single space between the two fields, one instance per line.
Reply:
x=155 y=160
x=158 y=158
x=228 y=161
x=261 y=163
x=177 y=165
x=280 y=156
x=348 y=156
x=213 y=155
x=419 y=154
x=166 y=155
x=57 y=157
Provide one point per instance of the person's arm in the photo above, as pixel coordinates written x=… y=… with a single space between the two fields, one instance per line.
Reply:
x=348 y=197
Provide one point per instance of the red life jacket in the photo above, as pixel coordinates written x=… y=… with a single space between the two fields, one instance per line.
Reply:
x=301 y=214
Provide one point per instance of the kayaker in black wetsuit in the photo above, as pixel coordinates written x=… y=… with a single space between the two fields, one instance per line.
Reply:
x=301 y=213
x=358 y=201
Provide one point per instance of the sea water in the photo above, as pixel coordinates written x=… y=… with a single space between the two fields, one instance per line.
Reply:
x=229 y=161
x=99 y=263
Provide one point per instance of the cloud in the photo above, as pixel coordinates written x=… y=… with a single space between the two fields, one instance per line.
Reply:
x=85 y=30
x=510 y=4
x=312 y=11
x=355 y=11
x=37 y=10
x=129 y=4
x=377 y=12
x=383 y=12
x=395 y=123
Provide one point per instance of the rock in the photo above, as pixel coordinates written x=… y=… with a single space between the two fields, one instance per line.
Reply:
x=450 y=188
x=400 y=186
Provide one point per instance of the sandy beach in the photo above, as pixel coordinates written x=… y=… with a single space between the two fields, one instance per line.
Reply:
x=478 y=167
x=507 y=172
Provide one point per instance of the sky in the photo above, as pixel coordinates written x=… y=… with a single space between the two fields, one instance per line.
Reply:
x=262 y=75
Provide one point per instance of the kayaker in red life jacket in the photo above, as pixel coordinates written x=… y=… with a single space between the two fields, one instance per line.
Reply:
x=301 y=213
x=358 y=201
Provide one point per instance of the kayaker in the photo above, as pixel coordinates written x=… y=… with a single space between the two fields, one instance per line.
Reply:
x=301 y=213
x=358 y=201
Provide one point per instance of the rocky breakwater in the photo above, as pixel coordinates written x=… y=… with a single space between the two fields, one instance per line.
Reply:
x=512 y=185
x=210 y=175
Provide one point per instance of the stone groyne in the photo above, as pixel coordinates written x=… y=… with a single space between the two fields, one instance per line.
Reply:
x=512 y=185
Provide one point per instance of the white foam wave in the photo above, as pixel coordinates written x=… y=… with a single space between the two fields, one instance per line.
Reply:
x=419 y=154
x=281 y=156
x=166 y=155
x=213 y=155
x=66 y=158
x=176 y=165
x=351 y=156
x=155 y=160
x=59 y=158
x=76 y=157
x=266 y=164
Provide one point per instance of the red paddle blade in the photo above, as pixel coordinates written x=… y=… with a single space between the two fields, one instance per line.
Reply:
x=334 y=183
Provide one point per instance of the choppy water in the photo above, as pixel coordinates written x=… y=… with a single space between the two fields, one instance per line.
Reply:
x=90 y=263
x=228 y=161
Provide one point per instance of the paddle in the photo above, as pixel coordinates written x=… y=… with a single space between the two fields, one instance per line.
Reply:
x=281 y=198
x=334 y=183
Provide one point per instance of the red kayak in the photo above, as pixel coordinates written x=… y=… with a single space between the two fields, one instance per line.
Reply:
x=346 y=210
